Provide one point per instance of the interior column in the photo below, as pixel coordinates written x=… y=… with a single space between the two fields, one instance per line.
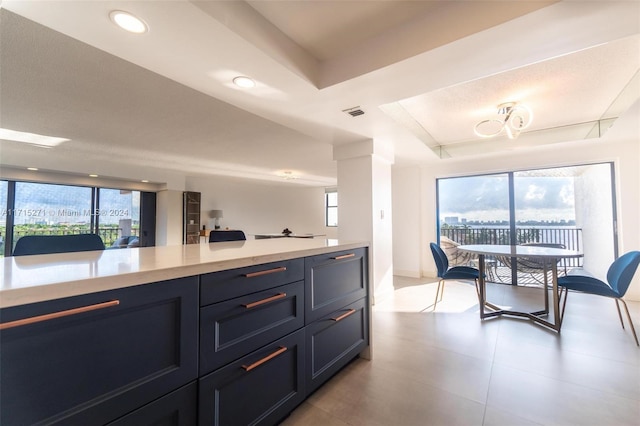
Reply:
x=364 y=205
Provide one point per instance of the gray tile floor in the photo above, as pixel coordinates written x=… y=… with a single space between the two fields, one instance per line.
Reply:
x=446 y=367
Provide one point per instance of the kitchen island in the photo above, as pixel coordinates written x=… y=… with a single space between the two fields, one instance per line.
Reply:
x=224 y=333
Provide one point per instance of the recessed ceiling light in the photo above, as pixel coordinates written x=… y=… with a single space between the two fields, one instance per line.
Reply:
x=128 y=22
x=144 y=181
x=244 y=82
x=93 y=175
x=33 y=169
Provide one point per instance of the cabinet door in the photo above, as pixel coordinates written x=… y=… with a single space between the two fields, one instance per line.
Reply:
x=179 y=408
x=132 y=346
x=261 y=388
x=224 y=285
x=334 y=340
x=233 y=328
x=334 y=280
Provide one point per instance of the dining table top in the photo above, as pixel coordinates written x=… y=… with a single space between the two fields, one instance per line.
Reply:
x=520 y=251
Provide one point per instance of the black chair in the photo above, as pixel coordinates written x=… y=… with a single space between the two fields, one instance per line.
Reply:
x=619 y=277
x=46 y=244
x=221 y=236
x=455 y=273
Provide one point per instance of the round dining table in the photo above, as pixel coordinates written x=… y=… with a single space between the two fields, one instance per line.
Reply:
x=547 y=256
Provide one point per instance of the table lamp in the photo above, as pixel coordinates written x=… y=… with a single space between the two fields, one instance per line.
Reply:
x=216 y=215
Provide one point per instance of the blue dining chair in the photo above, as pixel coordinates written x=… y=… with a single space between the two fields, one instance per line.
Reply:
x=46 y=244
x=221 y=236
x=454 y=273
x=619 y=277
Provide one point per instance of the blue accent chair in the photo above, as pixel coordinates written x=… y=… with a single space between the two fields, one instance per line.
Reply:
x=46 y=244
x=619 y=277
x=220 y=236
x=446 y=273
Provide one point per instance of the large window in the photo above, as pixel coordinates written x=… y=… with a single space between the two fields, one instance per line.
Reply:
x=49 y=209
x=331 y=207
x=572 y=207
x=118 y=218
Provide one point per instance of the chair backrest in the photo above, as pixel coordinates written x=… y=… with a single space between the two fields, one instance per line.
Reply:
x=442 y=263
x=220 y=236
x=46 y=244
x=622 y=270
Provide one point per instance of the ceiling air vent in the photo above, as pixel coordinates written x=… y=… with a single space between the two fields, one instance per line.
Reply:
x=354 y=112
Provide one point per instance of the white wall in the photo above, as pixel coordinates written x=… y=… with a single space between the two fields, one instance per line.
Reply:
x=621 y=144
x=168 y=218
x=406 y=196
x=594 y=214
x=382 y=232
x=262 y=207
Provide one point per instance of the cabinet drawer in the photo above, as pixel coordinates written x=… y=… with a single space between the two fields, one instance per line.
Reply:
x=261 y=388
x=233 y=328
x=224 y=285
x=334 y=280
x=179 y=408
x=93 y=367
x=333 y=341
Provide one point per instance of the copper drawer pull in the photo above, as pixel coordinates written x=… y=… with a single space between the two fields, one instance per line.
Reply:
x=268 y=271
x=263 y=301
x=265 y=359
x=60 y=314
x=343 y=316
x=344 y=256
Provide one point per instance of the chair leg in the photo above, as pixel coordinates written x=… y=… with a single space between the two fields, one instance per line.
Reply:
x=439 y=292
x=477 y=288
x=633 y=330
x=619 y=313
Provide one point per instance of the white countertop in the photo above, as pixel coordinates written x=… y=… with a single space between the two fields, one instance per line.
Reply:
x=29 y=279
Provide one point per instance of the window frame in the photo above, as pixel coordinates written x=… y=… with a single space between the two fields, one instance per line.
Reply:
x=330 y=207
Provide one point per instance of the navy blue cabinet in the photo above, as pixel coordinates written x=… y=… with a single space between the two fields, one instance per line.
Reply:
x=334 y=340
x=99 y=356
x=336 y=312
x=235 y=347
x=233 y=328
x=179 y=408
x=260 y=388
x=225 y=285
x=334 y=280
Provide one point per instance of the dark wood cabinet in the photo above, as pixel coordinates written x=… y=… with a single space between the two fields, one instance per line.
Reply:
x=258 y=389
x=101 y=356
x=191 y=218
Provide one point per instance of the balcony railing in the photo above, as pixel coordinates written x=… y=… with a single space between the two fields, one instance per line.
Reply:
x=571 y=238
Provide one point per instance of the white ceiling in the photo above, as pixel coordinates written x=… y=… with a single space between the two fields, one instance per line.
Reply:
x=424 y=72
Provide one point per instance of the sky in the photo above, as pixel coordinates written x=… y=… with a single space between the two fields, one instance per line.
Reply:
x=486 y=198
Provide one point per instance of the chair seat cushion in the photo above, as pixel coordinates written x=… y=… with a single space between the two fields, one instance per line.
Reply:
x=461 y=272
x=588 y=285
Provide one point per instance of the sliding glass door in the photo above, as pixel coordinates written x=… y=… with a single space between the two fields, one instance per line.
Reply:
x=571 y=207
